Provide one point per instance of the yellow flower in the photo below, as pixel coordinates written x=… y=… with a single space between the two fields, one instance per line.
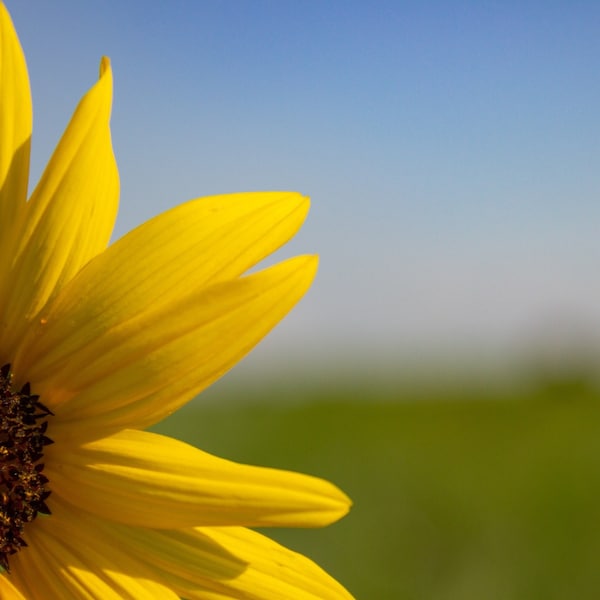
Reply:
x=97 y=343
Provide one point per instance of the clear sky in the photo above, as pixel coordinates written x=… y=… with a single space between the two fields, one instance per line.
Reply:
x=451 y=149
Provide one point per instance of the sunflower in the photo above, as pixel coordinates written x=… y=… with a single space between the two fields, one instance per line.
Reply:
x=99 y=342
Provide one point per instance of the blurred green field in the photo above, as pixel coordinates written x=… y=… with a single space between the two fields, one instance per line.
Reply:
x=457 y=496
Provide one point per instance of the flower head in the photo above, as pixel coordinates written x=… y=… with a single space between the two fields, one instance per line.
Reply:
x=98 y=342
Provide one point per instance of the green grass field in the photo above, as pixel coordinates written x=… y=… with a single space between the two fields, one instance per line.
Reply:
x=457 y=496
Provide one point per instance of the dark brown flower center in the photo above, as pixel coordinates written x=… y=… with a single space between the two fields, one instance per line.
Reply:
x=23 y=486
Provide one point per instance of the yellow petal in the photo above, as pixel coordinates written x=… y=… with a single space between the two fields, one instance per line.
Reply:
x=137 y=369
x=15 y=137
x=70 y=216
x=232 y=562
x=8 y=591
x=68 y=559
x=144 y=479
x=15 y=129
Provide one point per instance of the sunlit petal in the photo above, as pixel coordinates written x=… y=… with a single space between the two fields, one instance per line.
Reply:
x=171 y=256
x=145 y=479
x=70 y=215
x=15 y=131
x=232 y=562
x=144 y=365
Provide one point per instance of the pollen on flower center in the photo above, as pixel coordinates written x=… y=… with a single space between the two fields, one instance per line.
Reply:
x=23 y=486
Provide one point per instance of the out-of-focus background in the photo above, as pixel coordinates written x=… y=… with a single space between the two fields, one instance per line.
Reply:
x=443 y=369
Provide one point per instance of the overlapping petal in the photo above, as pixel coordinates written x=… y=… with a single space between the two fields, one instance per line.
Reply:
x=177 y=253
x=148 y=480
x=67 y=559
x=70 y=216
x=188 y=247
x=141 y=367
x=232 y=562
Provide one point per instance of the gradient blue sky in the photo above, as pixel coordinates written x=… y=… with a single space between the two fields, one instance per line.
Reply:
x=451 y=149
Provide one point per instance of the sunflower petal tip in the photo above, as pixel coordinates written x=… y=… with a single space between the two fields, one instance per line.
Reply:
x=311 y=264
x=344 y=503
x=332 y=505
x=104 y=65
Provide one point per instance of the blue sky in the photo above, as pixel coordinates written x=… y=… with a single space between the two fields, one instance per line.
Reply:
x=450 y=148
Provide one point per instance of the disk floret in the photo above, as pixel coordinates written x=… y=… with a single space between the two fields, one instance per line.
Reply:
x=23 y=486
